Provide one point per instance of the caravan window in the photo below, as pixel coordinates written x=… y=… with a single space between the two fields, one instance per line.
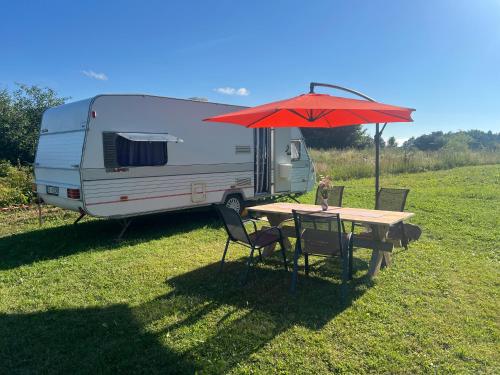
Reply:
x=295 y=150
x=140 y=153
x=136 y=149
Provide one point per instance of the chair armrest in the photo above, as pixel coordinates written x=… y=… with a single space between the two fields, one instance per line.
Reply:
x=280 y=225
x=253 y=221
x=353 y=225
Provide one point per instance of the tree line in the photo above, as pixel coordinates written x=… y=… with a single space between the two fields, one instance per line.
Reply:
x=476 y=140
x=21 y=113
x=20 y=117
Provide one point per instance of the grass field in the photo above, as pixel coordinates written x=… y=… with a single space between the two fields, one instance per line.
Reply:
x=74 y=301
x=352 y=163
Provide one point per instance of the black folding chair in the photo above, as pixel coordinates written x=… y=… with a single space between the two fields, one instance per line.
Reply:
x=393 y=200
x=320 y=234
x=335 y=195
x=389 y=199
x=236 y=232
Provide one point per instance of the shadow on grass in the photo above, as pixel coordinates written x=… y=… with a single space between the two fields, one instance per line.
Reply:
x=220 y=324
x=256 y=313
x=207 y=323
x=95 y=235
x=94 y=340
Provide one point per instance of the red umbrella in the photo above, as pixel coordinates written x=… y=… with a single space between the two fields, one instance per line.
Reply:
x=320 y=111
x=315 y=111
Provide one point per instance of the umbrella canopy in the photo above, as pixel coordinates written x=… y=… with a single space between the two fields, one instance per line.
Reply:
x=321 y=111
x=316 y=111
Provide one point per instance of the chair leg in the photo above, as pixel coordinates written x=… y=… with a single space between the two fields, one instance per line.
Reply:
x=306 y=263
x=249 y=264
x=260 y=254
x=224 y=255
x=293 y=287
x=283 y=253
x=351 y=259
x=345 y=276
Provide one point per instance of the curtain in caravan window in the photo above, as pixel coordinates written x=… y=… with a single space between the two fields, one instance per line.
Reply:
x=140 y=153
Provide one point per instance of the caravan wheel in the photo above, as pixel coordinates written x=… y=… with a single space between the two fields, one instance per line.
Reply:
x=234 y=202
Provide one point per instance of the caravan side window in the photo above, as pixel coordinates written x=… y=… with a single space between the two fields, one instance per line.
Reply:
x=295 y=150
x=134 y=150
x=131 y=153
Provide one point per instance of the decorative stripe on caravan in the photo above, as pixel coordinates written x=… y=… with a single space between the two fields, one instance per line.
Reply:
x=156 y=197
x=94 y=174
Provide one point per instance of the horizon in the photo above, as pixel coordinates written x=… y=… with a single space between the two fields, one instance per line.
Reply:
x=441 y=59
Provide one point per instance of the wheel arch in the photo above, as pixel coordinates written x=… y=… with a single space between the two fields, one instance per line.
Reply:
x=233 y=192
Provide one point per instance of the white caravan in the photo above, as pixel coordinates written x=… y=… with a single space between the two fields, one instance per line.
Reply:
x=117 y=156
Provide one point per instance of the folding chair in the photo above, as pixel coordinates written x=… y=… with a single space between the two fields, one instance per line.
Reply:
x=320 y=234
x=236 y=232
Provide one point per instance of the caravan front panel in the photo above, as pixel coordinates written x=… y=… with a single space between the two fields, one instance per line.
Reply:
x=59 y=154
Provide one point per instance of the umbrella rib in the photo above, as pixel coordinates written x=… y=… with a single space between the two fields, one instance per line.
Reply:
x=358 y=115
x=328 y=122
x=262 y=118
x=323 y=113
x=311 y=119
x=391 y=114
x=297 y=113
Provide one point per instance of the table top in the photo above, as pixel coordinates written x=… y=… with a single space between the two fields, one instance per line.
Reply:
x=358 y=215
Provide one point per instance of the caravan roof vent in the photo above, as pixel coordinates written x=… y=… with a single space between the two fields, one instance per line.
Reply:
x=242 y=149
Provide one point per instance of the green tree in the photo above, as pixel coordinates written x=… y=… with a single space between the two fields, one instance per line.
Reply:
x=391 y=142
x=458 y=142
x=342 y=137
x=480 y=140
x=430 y=142
x=461 y=140
x=20 y=117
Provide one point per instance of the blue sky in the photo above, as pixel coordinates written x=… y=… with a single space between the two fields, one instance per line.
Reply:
x=441 y=57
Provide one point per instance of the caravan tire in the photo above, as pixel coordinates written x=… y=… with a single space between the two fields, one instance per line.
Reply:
x=235 y=202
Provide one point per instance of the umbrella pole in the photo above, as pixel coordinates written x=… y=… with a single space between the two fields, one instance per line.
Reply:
x=377 y=159
x=378 y=135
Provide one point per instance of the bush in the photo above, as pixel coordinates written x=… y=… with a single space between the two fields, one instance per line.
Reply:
x=15 y=184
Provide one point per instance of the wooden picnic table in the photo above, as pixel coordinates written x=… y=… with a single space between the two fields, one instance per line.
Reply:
x=381 y=248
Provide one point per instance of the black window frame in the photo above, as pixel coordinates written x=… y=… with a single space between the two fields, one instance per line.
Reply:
x=299 y=149
x=111 y=152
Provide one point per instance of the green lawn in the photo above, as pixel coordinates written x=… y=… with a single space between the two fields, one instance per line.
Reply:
x=73 y=300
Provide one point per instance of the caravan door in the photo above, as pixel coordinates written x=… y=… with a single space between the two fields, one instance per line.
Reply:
x=301 y=166
x=282 y=168
x=262 y=161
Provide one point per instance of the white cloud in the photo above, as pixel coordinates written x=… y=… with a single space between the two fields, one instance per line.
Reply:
x=232 y=91
x=242 y=92
x=94 y=75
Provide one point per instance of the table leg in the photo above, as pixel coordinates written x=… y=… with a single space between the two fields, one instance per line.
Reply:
x=375 y=262
x=379 y=258
x=275 y=220
x=386 y=259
